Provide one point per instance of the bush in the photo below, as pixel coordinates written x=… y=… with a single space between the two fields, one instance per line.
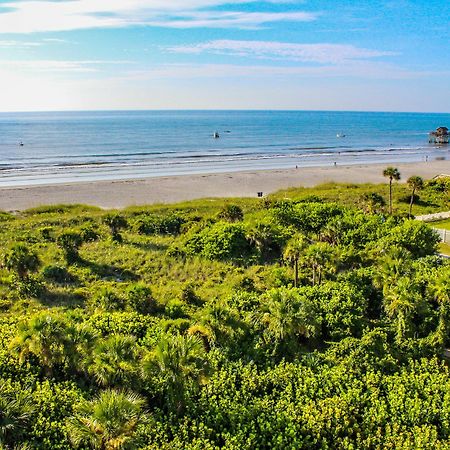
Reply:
x=231 y=213
x=140 y=299
x=223 y=241
x=107 y=300
x=150 y=225
x=175 y=309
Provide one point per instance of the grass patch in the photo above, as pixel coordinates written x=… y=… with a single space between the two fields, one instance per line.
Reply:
x=444 y=224
x=444 y=249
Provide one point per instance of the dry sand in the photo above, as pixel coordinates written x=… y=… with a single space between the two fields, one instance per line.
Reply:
x=119 y=194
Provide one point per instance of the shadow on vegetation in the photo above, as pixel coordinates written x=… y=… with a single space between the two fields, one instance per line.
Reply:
x=149 y=246
x=418 y=201
x=109 y=271
x=67 y=299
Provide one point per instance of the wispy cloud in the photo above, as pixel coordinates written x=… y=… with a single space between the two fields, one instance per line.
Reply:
x=60 y=66
x=19 y=44
x=323 y=53
x=353 y=69
x=45 y=15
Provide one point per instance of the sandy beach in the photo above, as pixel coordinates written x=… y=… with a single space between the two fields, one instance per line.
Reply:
x=122 y=193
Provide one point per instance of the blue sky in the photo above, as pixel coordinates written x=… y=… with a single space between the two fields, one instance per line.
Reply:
x=388 y=55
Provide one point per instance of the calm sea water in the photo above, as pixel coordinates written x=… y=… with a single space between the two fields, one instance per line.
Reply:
x=78 y=146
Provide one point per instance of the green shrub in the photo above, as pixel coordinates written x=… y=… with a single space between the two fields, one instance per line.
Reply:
x=140 y=299
x=231 y=213
x=107 y=300
x=70 y=242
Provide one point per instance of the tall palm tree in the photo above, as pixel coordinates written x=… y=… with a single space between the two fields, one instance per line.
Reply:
x=293 y=251
x=47 y=337
x=15 y=414
x=109 y=422
x=181 y=363
x=22 y=261
x=113 y=360
x=415 y=183
x=393 y=174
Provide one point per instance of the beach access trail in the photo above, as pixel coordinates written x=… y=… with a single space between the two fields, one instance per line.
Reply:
x=170 y=189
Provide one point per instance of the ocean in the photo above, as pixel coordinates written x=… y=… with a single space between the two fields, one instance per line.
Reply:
x=61 y=147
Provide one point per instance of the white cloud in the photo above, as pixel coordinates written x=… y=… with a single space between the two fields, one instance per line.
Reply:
x=45 y=15
x=323 y=53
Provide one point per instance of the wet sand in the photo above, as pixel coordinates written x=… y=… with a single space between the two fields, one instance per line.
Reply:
x=122 y=193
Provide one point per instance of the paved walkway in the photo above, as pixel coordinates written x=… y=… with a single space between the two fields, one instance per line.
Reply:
x=434 y=217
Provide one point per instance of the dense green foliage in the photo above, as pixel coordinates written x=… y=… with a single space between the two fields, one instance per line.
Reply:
x=310 y=319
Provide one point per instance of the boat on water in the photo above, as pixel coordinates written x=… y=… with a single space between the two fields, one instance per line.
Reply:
x=216 y=135
x=340 y=135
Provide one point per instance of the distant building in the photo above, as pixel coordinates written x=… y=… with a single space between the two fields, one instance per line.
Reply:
x=440 y=136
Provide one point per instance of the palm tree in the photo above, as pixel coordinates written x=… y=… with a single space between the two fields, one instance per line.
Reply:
x=22 y=261
x=400 y=302
x=108 y=422
x=181 y=363
x=293 y=251
x=16 y=411
x=415 y=183
x=115 y=222
x=70 y=243
x=440 y=288
x=285 y=317
x=393 y=174
x=323 y=260
x=263 y=237
x=47 y=337
x=392 y=265
x=113 y=360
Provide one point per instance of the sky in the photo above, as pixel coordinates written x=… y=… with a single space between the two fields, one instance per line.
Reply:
x=365 y=55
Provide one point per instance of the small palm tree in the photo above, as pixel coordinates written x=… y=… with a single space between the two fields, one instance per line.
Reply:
x=285 y=317
x=70 y=243
x=15 y=414
x=415 y=183
x=322 y=259
x=393 y=174
x=115 y=222
x=47 y=337
x=108 y=422
x=113 y=360
x=181 y=363
x=293 y=251
x=440 y=289
x=22 y=261
x=400 y=302
x=263 y=237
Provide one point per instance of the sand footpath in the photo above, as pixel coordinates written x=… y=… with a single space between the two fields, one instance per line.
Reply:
x=122 y=193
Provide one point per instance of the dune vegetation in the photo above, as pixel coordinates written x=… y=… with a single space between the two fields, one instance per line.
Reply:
x=312 y=318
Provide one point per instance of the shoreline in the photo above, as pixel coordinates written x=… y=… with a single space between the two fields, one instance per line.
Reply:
x=116 y=194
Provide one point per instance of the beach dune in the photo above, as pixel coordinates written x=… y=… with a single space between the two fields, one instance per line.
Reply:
x=122 y=193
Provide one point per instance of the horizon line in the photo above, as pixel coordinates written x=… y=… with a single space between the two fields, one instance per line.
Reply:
x=220 y=109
